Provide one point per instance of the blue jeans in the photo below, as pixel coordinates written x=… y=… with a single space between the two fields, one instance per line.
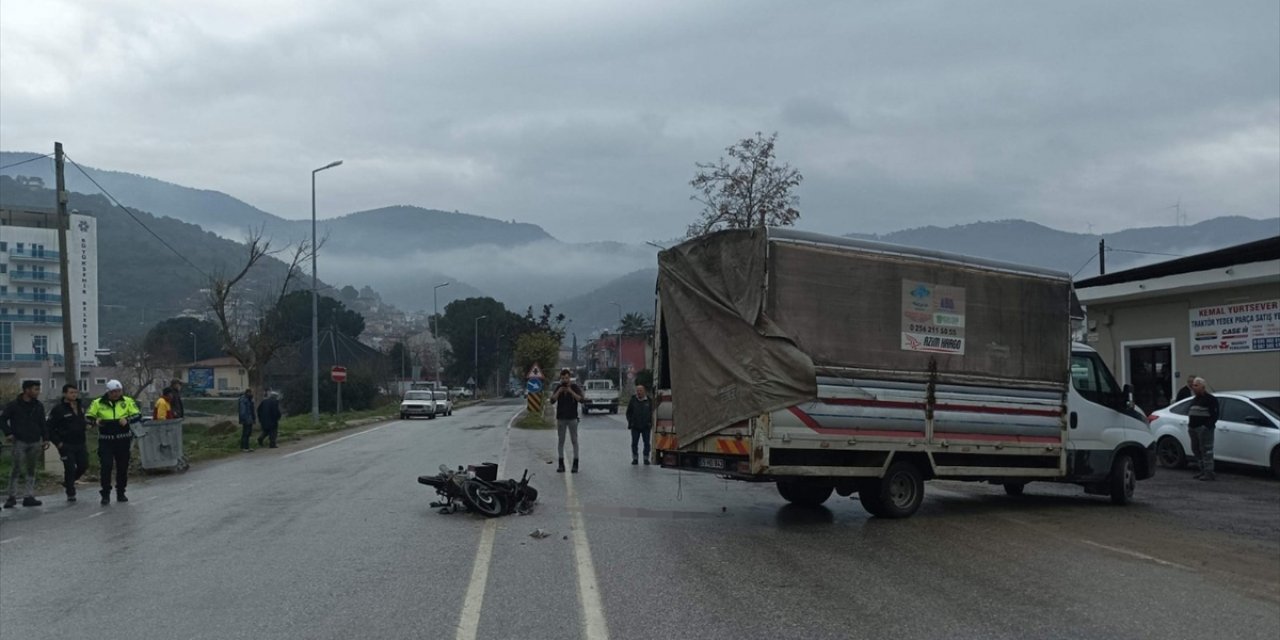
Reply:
x=636 y=436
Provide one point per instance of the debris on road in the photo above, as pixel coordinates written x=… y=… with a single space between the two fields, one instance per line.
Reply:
x=539 y=534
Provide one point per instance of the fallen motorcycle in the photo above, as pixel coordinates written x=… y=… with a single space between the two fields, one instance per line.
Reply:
x=476 y=488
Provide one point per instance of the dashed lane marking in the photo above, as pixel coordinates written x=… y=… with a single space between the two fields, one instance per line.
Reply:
x=595 y=627
x=473 y=603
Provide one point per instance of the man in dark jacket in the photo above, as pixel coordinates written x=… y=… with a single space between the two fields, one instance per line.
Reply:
x=640 y=421
x=66 y=432
x=1202 y=420
x=567 y=396
x=24 y=430
x=1185 y=392
x=269 y=418
x=176 y=402
x=246 y=419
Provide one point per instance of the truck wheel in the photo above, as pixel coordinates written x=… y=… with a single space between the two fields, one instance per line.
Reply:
x=897 y=495
x=1122 y=480
x=1014 y=488
x=1170 y=453
x=803 y=493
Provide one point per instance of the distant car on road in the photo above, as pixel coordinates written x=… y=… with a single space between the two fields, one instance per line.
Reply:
x=418 y=403
x=1248 y=430
x=600 y=394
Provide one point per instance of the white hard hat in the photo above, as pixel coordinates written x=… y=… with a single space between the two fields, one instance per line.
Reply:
x=114 y=385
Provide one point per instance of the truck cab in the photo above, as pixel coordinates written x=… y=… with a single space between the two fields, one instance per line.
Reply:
x=600 y=394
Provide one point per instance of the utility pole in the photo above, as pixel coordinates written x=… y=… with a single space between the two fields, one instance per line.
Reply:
x=1102 y=257
x=70 y=370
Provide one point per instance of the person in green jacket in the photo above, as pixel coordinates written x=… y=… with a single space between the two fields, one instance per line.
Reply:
x=112 y=414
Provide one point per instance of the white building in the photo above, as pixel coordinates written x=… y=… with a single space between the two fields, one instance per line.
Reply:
x=31 y=293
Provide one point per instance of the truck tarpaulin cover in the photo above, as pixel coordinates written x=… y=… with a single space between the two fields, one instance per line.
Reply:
x=728 y=359
x=751 y=319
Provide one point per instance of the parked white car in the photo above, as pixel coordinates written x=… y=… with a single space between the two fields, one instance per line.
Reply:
x=1248 y=430
x=444 y=406
x=418 y=403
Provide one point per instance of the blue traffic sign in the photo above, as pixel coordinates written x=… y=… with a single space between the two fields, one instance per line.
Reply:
x=533 y=385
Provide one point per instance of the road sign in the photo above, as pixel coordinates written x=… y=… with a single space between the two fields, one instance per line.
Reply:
x=471 y=382
x=535 y=372
x=533 y=385
x=338 y=374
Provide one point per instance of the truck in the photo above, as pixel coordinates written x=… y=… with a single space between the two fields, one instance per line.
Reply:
x=599 y=394
x=835 y=365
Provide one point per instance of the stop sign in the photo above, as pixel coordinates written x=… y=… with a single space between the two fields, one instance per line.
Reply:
x=339 y=374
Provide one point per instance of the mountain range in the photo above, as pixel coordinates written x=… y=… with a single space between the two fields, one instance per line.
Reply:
x=403 y=251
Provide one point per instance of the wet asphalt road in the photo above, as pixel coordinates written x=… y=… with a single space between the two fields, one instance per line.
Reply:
x=335 y=539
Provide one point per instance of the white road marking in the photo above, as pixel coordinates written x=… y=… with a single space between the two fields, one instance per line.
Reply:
x=1136 y=554
x=321 y=446
x=588 y=590
x=96 y=514
x=473 y=603
x=10 y=540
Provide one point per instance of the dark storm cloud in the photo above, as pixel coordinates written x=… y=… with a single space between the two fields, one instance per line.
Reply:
x=588 y=118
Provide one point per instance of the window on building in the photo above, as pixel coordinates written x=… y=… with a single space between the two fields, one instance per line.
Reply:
x=18 y=247
x=222 y=384
x=100 y=381
x=4 y=246
x=4 y=268
x=40 y=345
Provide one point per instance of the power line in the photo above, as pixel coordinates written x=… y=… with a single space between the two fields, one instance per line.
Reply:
x=1092 y=257
x=25 y=161
x=135 y=218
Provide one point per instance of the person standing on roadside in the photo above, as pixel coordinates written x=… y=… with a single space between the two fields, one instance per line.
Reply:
x=246 y=419
x=23 y=424
x=640 y=421
x=1202 y=421
x=66 y=432
x=112 y=414
x=567 y=396
x=269 y=418
x=164 y=406
x=1185 y=392
x=175 y=401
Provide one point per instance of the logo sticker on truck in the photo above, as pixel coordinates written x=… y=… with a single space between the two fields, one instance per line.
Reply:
x=932 y=317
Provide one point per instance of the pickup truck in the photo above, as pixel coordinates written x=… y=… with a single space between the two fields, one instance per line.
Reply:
x=600 y=394
x=832 y=365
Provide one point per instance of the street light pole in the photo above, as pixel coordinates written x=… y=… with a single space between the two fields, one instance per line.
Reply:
x=435 y=332
x=619 y=345
x=194 y=349
x=315 y=303
x=476 y=385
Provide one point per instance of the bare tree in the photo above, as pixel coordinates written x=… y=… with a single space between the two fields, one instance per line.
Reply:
x=139 y=367
x=747 y=190
x=245 y=325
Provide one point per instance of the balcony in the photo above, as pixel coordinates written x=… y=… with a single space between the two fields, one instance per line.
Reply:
x=34 y=276
x=30 y=319
x=56 y=358
x=28 y=255
x=32 y=298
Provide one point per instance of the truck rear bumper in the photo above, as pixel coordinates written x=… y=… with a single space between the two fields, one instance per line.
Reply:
x=736 y=466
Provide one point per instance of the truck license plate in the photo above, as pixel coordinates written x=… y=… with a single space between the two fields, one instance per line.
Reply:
x=711 y=463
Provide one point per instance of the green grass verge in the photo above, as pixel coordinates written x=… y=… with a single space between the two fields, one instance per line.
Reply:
x=207 y=442
x=534 y=421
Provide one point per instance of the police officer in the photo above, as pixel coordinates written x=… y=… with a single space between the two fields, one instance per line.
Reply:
x=112 y=414
x=66 y=432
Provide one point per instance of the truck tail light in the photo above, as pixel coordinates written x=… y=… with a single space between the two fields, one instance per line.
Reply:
x=1152 y=418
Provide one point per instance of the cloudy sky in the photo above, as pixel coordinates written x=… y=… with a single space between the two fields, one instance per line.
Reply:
x=587 y=117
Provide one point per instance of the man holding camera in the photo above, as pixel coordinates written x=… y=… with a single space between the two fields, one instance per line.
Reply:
x=567 y=396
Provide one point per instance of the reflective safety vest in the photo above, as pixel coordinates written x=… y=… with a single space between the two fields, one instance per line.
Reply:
x=107 y=414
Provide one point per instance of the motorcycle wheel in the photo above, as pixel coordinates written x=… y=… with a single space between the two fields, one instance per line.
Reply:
x=481 y=498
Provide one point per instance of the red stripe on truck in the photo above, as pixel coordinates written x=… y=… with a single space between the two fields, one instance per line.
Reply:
x=810 y=422
x=961 y=408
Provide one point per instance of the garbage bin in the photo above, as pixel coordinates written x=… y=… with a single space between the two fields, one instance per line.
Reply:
x=160 y=445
